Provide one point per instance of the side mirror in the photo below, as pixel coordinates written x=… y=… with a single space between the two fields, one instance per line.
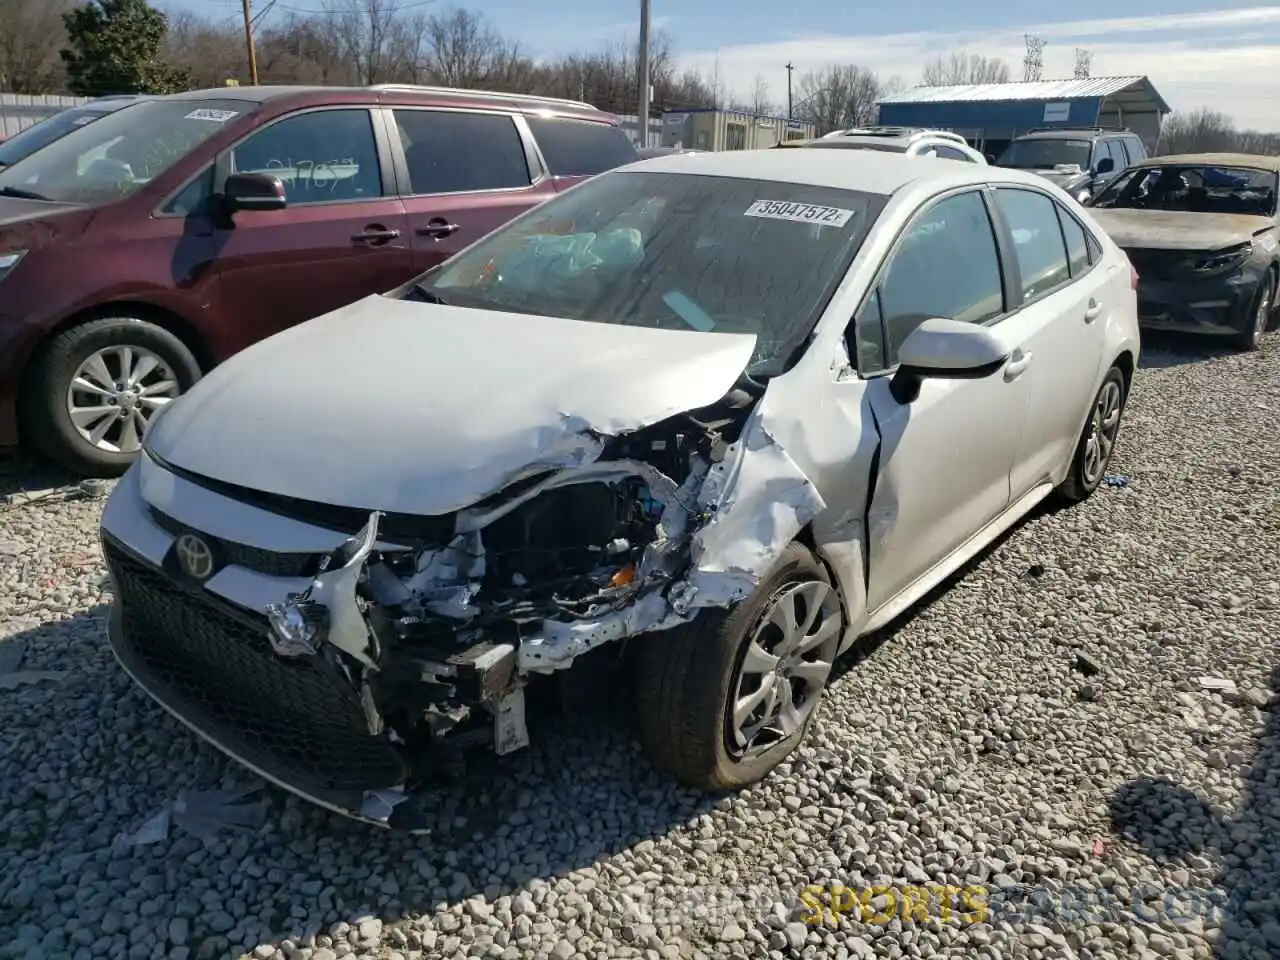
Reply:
x=1105 y=165
x=946 y=350
x=255 y=191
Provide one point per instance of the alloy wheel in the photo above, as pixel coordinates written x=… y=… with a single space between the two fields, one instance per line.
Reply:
x=1104 y=423
x=114 y=394
x=785 y=667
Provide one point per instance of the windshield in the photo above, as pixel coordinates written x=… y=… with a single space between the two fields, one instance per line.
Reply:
x=1194 y=189
x=679 y=251
x=1045 y=153
x=45 y=132
x=115 y=157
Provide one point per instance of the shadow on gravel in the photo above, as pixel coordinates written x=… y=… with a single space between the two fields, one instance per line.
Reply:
x=20 y=474
x=1162 y=349
x=1169 y=821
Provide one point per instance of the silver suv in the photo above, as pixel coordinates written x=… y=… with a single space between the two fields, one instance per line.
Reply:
x=912 y=142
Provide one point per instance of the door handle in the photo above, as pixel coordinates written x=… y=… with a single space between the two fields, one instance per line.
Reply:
x=1092 y=311
x=375 y=234
x=439 y=228
x=1018 y=362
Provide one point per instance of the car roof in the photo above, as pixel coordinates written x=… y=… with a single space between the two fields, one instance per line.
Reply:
x=406 y=93
x=870 y=171
x=1257 y=161
x=1073 y=133
x=854 y=143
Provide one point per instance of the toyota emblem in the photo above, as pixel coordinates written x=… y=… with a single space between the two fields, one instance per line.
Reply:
x=194 y=556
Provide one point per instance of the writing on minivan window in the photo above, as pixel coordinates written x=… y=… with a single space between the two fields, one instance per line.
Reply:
x=309 y=176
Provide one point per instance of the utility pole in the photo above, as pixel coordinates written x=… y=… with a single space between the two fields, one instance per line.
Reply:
x=644 y=73
x=790 y=68
x=248 y=40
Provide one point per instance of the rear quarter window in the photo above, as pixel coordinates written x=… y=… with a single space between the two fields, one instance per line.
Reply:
x=581 y=148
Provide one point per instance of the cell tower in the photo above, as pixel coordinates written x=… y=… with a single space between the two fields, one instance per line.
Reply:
x=1033 y=63
x=1084 y=60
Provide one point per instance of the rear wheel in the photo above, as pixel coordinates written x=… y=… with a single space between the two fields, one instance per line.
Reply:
x=724 y=700
x=95 y=387
x=1097 y=441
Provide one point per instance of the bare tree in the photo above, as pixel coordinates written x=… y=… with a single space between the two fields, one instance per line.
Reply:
x=1200 y=131
x=211 y=52
x=760 y=103
x=31 y=33
x=462 y=48
x=838 y=97
x=364 y=29
x=960 y=67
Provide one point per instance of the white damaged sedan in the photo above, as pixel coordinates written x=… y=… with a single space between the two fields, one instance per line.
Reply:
x=734 y=409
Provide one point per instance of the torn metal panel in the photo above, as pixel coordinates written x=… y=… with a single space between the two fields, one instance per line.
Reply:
x=1178 y=229
x=758 y=500
x=467 y=401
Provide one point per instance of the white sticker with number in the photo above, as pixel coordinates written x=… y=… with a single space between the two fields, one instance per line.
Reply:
x=214 y=116
x=799 y=212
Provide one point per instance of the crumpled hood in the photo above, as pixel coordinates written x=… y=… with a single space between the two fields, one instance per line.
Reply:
x=1177 y=230
x=419 y=408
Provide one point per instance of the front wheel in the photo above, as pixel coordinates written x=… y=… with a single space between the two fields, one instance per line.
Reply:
x=96 y=386
x=1260 y=315
x=724 y=700
x=1097 y=441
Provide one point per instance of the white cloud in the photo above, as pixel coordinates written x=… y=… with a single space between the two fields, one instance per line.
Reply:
x=1225 y=60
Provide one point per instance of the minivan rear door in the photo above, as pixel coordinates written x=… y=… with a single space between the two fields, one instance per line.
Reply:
x=461 y=174
x=342 y=236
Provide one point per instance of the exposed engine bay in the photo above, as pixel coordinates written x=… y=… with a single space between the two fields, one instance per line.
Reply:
x=440 y=638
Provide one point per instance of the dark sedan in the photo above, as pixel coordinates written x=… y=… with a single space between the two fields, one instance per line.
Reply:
x=1201 y=231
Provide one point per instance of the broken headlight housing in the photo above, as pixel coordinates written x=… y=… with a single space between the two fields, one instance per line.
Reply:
x=1223 y=261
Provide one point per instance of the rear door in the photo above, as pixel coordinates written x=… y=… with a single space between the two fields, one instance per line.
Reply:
x=462 y=174
x=574 y=150
x=341 y=237
x=1061 y=322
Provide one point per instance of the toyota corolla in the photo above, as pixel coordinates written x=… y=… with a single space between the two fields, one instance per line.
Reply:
x=726 y=411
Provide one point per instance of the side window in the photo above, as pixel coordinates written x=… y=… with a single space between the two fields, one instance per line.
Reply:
x=1077 y=245
x=454 y=152
x=1037 y=240
x=580 y=148
x=192 y=198
x=322 y=156
x=1121 y=147
x=867 y=348
x=1137 y=151
x=945 y=265
x=1116 y=152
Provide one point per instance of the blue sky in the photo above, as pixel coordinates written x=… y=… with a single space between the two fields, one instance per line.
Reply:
x=1224 y=54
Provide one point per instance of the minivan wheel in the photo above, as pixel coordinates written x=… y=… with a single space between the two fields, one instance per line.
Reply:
x=1097 y=441
x=95 y=387
x=724 y=700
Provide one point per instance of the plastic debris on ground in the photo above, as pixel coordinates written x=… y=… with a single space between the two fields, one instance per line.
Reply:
x=203 y=814
x=1217 y=683
x=1117 y=480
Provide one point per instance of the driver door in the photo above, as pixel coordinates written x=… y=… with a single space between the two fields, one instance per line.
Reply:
x=946 y=457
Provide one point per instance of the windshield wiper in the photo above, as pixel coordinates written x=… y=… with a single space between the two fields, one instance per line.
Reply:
x=430 y=296
x=19 y=194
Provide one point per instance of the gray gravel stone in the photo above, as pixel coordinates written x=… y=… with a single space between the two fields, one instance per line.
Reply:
x=962 y=753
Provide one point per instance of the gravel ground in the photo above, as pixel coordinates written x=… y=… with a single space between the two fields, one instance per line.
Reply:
x=1039 y=726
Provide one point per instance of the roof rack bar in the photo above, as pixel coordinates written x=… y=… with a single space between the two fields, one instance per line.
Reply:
x=1080 y=129
x=486 y=94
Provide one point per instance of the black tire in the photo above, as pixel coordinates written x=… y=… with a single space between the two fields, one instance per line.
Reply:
x=1262 y=315
x=1078 y=484
x=47 y=422
x=686 y=676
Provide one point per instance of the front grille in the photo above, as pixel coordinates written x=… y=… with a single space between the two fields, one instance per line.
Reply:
x=1160 y=264
x=213 y=665
x=269 y=562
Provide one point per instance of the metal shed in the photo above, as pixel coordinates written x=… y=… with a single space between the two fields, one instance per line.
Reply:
x=989 y=115
x=19 y=111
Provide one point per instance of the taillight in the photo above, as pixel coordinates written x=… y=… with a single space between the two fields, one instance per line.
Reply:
x=1133 y=277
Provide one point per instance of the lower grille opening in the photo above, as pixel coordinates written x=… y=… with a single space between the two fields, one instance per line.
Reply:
x=215 y=667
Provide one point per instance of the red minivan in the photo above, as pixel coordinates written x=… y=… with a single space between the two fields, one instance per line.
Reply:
x=139 y=250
